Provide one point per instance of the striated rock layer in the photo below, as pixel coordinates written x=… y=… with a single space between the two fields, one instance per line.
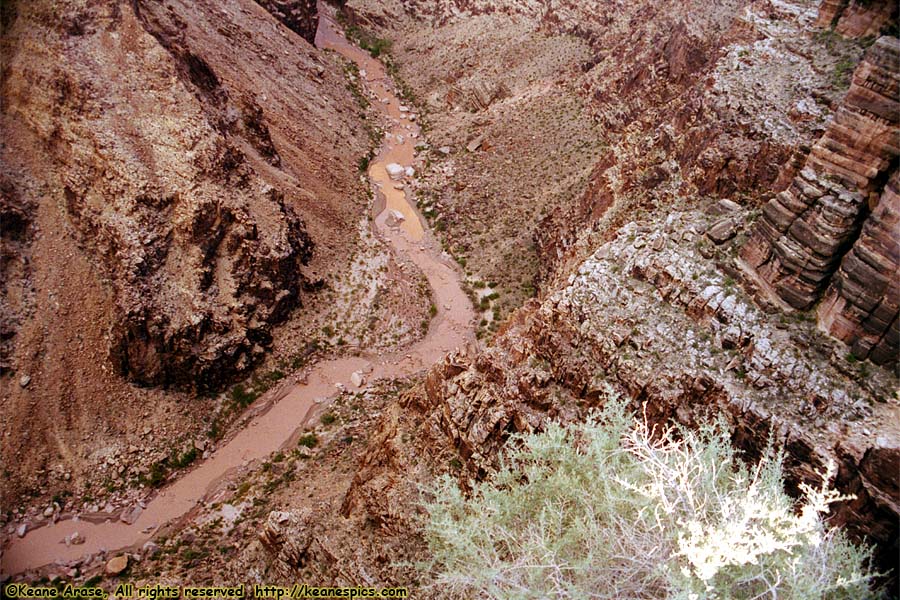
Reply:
x=862 y=304
x=805 y=230
x=855 y=18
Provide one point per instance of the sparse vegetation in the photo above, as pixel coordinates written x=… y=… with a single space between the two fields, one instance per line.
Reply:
x=181 y=460
x=375 y=46
x=243 y=397
x=613 y=508
x=157 y=475
x=843 y=71
x=308 y=440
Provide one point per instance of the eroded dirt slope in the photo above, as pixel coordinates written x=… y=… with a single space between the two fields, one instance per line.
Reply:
x=176 y=178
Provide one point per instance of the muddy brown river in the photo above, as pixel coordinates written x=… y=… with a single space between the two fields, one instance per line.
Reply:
x=270 y=430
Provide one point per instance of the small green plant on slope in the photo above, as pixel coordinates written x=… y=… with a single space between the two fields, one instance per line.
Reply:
x=611 y=509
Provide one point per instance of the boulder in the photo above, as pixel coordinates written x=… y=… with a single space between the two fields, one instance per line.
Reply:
x=117 y=564
x=74 y=539
x=357 y=379
x=394 y=218
x=150 y=547
x=129 y=516
x=395 y=171
x=475 y=144
x=722 y=231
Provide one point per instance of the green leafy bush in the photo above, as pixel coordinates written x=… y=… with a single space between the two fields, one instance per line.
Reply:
x=612 y=509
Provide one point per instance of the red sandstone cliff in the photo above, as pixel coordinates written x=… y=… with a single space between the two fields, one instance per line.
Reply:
x=853 y=18
x=861 y=306
x=806 y=230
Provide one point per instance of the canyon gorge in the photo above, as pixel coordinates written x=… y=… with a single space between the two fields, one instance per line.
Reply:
x=271 y=268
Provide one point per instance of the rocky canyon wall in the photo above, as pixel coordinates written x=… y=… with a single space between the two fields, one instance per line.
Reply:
x=718 y=121
x=185 y=176
x=806 y=230
x=694 y=99
x=855 y=18
x=861 y=305
x=649 y=317
x=174 y=176
x=679 y=100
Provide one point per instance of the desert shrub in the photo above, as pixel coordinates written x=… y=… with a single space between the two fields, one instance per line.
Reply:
x=309 y=440
x=843 y=73
x=612 y=509
x=179 y=460
x=156 y=477
x=243 y=397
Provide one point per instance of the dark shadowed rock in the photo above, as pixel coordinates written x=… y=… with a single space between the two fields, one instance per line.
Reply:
x=300 y=16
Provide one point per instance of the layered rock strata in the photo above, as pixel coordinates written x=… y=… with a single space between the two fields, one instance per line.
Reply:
x=805 y=230
x=648 y=316
x=861 y=306
x=855 y=18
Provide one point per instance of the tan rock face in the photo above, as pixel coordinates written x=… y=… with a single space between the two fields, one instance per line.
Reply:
x=804 y=231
